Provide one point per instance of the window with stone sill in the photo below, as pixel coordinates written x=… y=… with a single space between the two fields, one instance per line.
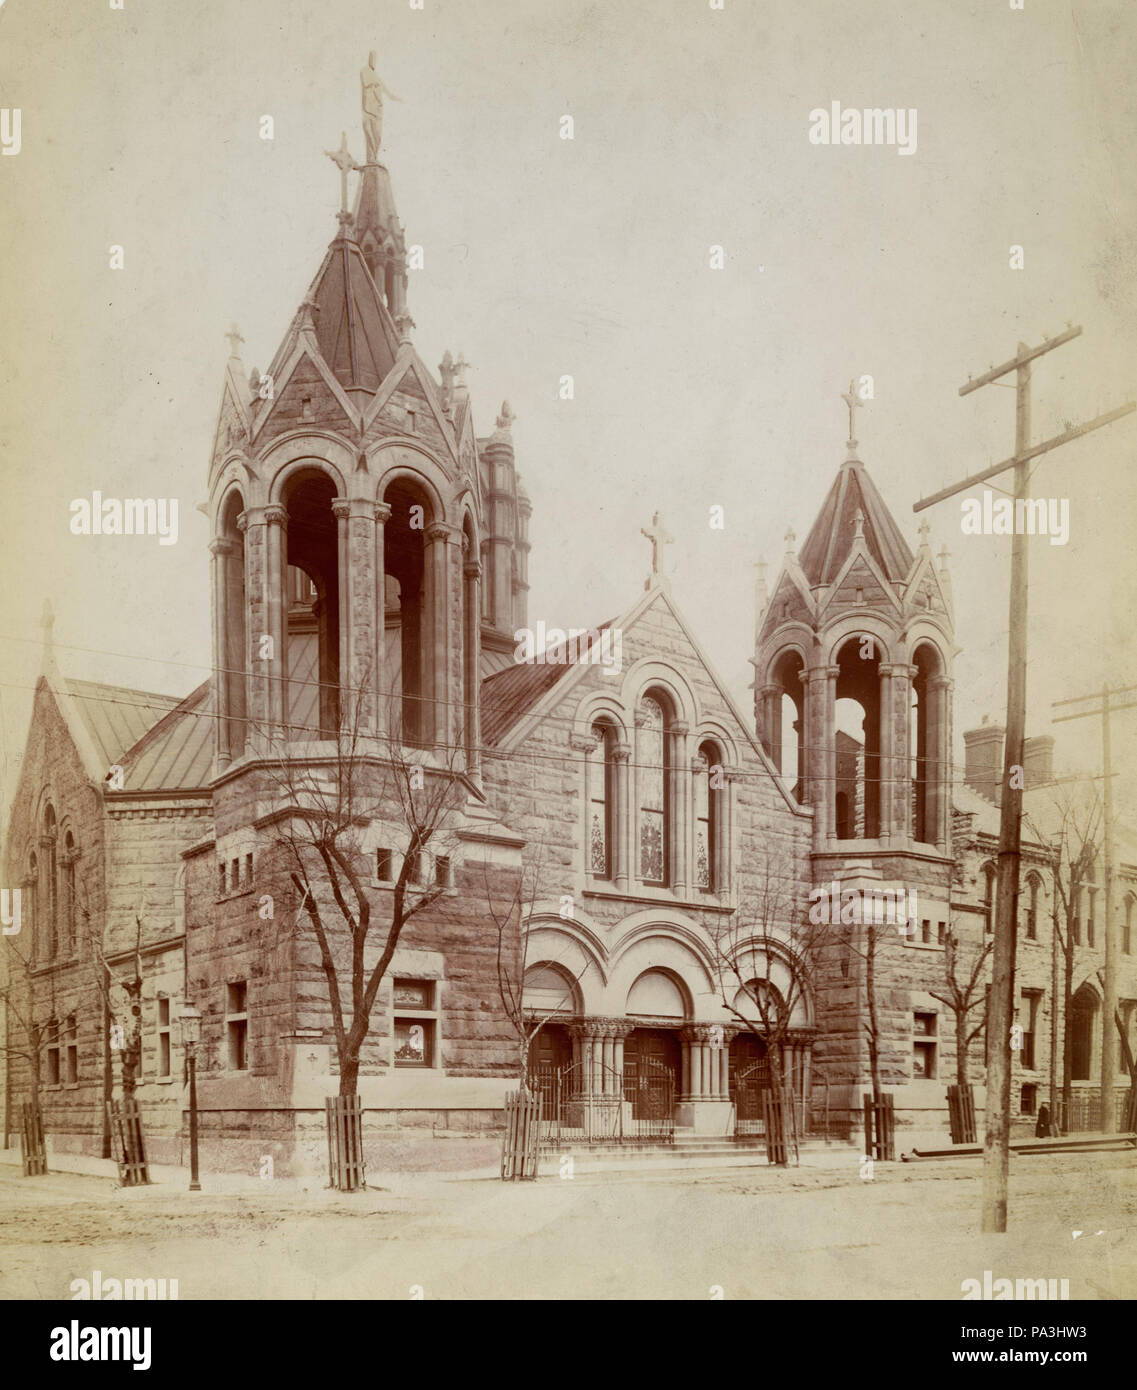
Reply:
x=651 y=779
x=923 y=1046
x=707 y=801
x=71 y=1050
x=237 y=1024
x=415 y=1022
x=601 y=801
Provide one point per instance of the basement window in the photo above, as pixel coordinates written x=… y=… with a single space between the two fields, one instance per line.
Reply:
x=923 y=1046
x=415 y=1024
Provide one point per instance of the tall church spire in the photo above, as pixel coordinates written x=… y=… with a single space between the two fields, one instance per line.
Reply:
x=375 y=222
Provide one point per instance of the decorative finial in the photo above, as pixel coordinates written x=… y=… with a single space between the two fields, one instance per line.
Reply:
x=859 y=525
x=924 y=529
x=506 y=418
x=461 y=367
x=790 y=539
x=944 y=556
x=307 y=315
x=852 y=400
x=343 y=161
x=372 y=91
x=659 y=537
x=235 y=341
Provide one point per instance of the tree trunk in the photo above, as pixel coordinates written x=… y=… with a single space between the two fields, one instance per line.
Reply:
x=961 y=1048
x=870 y=999
x=349 y=1074
x=1067 y=1035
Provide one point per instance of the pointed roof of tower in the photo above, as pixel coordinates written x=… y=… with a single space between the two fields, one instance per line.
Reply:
x=831 y=536
x=356 y=336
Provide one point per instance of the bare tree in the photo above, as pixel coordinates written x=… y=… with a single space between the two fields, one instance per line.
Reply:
x=37 y=1026
x=773 y=931
x=322 y=813
x=1075 y=850
x=963 y=994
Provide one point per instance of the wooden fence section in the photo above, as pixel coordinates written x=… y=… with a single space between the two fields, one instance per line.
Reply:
x=775 y=1115
x=961 y=1114
x=345 y=1143
x=125 y=1121
x=880 y=1129
x=519 y=1145
x=33 y=1151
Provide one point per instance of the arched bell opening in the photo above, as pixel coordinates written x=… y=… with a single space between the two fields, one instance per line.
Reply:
x=312 y=629
x=856 y=788
x=408 y=618
x=787 y=732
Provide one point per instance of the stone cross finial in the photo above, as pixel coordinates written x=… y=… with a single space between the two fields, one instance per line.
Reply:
x=790 y=539
x=924 y=528
x=343 y=161
x=852 y=400
x=235 y=340
x=659 y=537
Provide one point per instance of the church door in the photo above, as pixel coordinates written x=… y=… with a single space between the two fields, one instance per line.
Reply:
x=651 y=1074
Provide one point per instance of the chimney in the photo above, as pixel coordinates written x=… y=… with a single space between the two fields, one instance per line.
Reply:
x=983 y=765
x=1038 y=761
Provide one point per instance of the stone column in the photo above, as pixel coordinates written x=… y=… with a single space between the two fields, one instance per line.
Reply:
x=341 y=510
x=381 y=693
x=276 y=611
x=939 y=773
x=831 y=674
x=623 y=832
x=887 y=754
x=769 y=722
x=221 y=551
x=471 y=657
x=608 y=1058
x=816 y=761
x=680 y=796
x=439 y=536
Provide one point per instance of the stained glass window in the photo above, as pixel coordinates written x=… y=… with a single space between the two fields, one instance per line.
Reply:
x=599 y=803
x=651 y=779
x=705 y=800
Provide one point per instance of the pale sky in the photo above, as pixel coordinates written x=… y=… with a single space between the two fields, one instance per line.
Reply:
x=588 y=257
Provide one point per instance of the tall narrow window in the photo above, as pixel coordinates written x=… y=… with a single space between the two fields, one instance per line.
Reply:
x=1032 y=910
x=989 y=898
x=1091 y=925
x=237 y=1024
x=651 y=778
x=39 y=947
x=70 y=907
x=706 y=820
x=600 y=803
x=52 y=867
x=163 y=1037
x=1127 y=929
x=71 y=1049
x=51 y=1034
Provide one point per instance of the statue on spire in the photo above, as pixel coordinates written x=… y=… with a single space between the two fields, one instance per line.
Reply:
x=372 y=90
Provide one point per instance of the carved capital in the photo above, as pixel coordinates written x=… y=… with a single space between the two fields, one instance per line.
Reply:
x=221 y=546
x=621 y=752
x=382 y=512
x=472 y=569
x=341 y=508
x=680 y=728
x=582 y=743
x=242 y=522
x=276 y=515
x=443 y=531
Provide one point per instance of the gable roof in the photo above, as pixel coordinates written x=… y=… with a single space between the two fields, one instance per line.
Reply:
x=831 y=537
x=513 y=691
x=161 y=742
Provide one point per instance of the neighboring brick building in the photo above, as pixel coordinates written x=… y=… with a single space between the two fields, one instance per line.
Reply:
x=370 y=571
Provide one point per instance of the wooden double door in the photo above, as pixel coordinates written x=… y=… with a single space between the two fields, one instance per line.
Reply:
x=652 y=1065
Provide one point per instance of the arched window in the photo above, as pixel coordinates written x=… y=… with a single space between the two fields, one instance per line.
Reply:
x=652 y=778
x=1127 y=928
x=471 y=641
x=857 y=711
x=1034 y=883
x=601 y=802
x=989 y=876
x=70 y=907
x=39 y=947
x=707 y=818
x=785 y=721
x=1091 y=915
x=410 y=580
x=51 y=868
x=232 y=645
x=926 y=742
x=1083 y=1020
x=312 y=627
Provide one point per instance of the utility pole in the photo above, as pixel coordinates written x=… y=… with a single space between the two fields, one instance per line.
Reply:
x=1109 y=1002
x=1000 y=1016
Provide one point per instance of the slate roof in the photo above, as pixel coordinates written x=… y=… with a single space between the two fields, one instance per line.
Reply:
x=354 y=330
x=511 y=692
x=161 y=742
x=831 y=536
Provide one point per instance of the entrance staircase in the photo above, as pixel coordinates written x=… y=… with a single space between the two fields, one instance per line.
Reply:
x=688 y=1150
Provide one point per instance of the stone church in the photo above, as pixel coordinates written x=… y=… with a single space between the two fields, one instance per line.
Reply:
x=369 y=570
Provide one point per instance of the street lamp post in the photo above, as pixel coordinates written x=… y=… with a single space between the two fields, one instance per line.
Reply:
x=191 y=1036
